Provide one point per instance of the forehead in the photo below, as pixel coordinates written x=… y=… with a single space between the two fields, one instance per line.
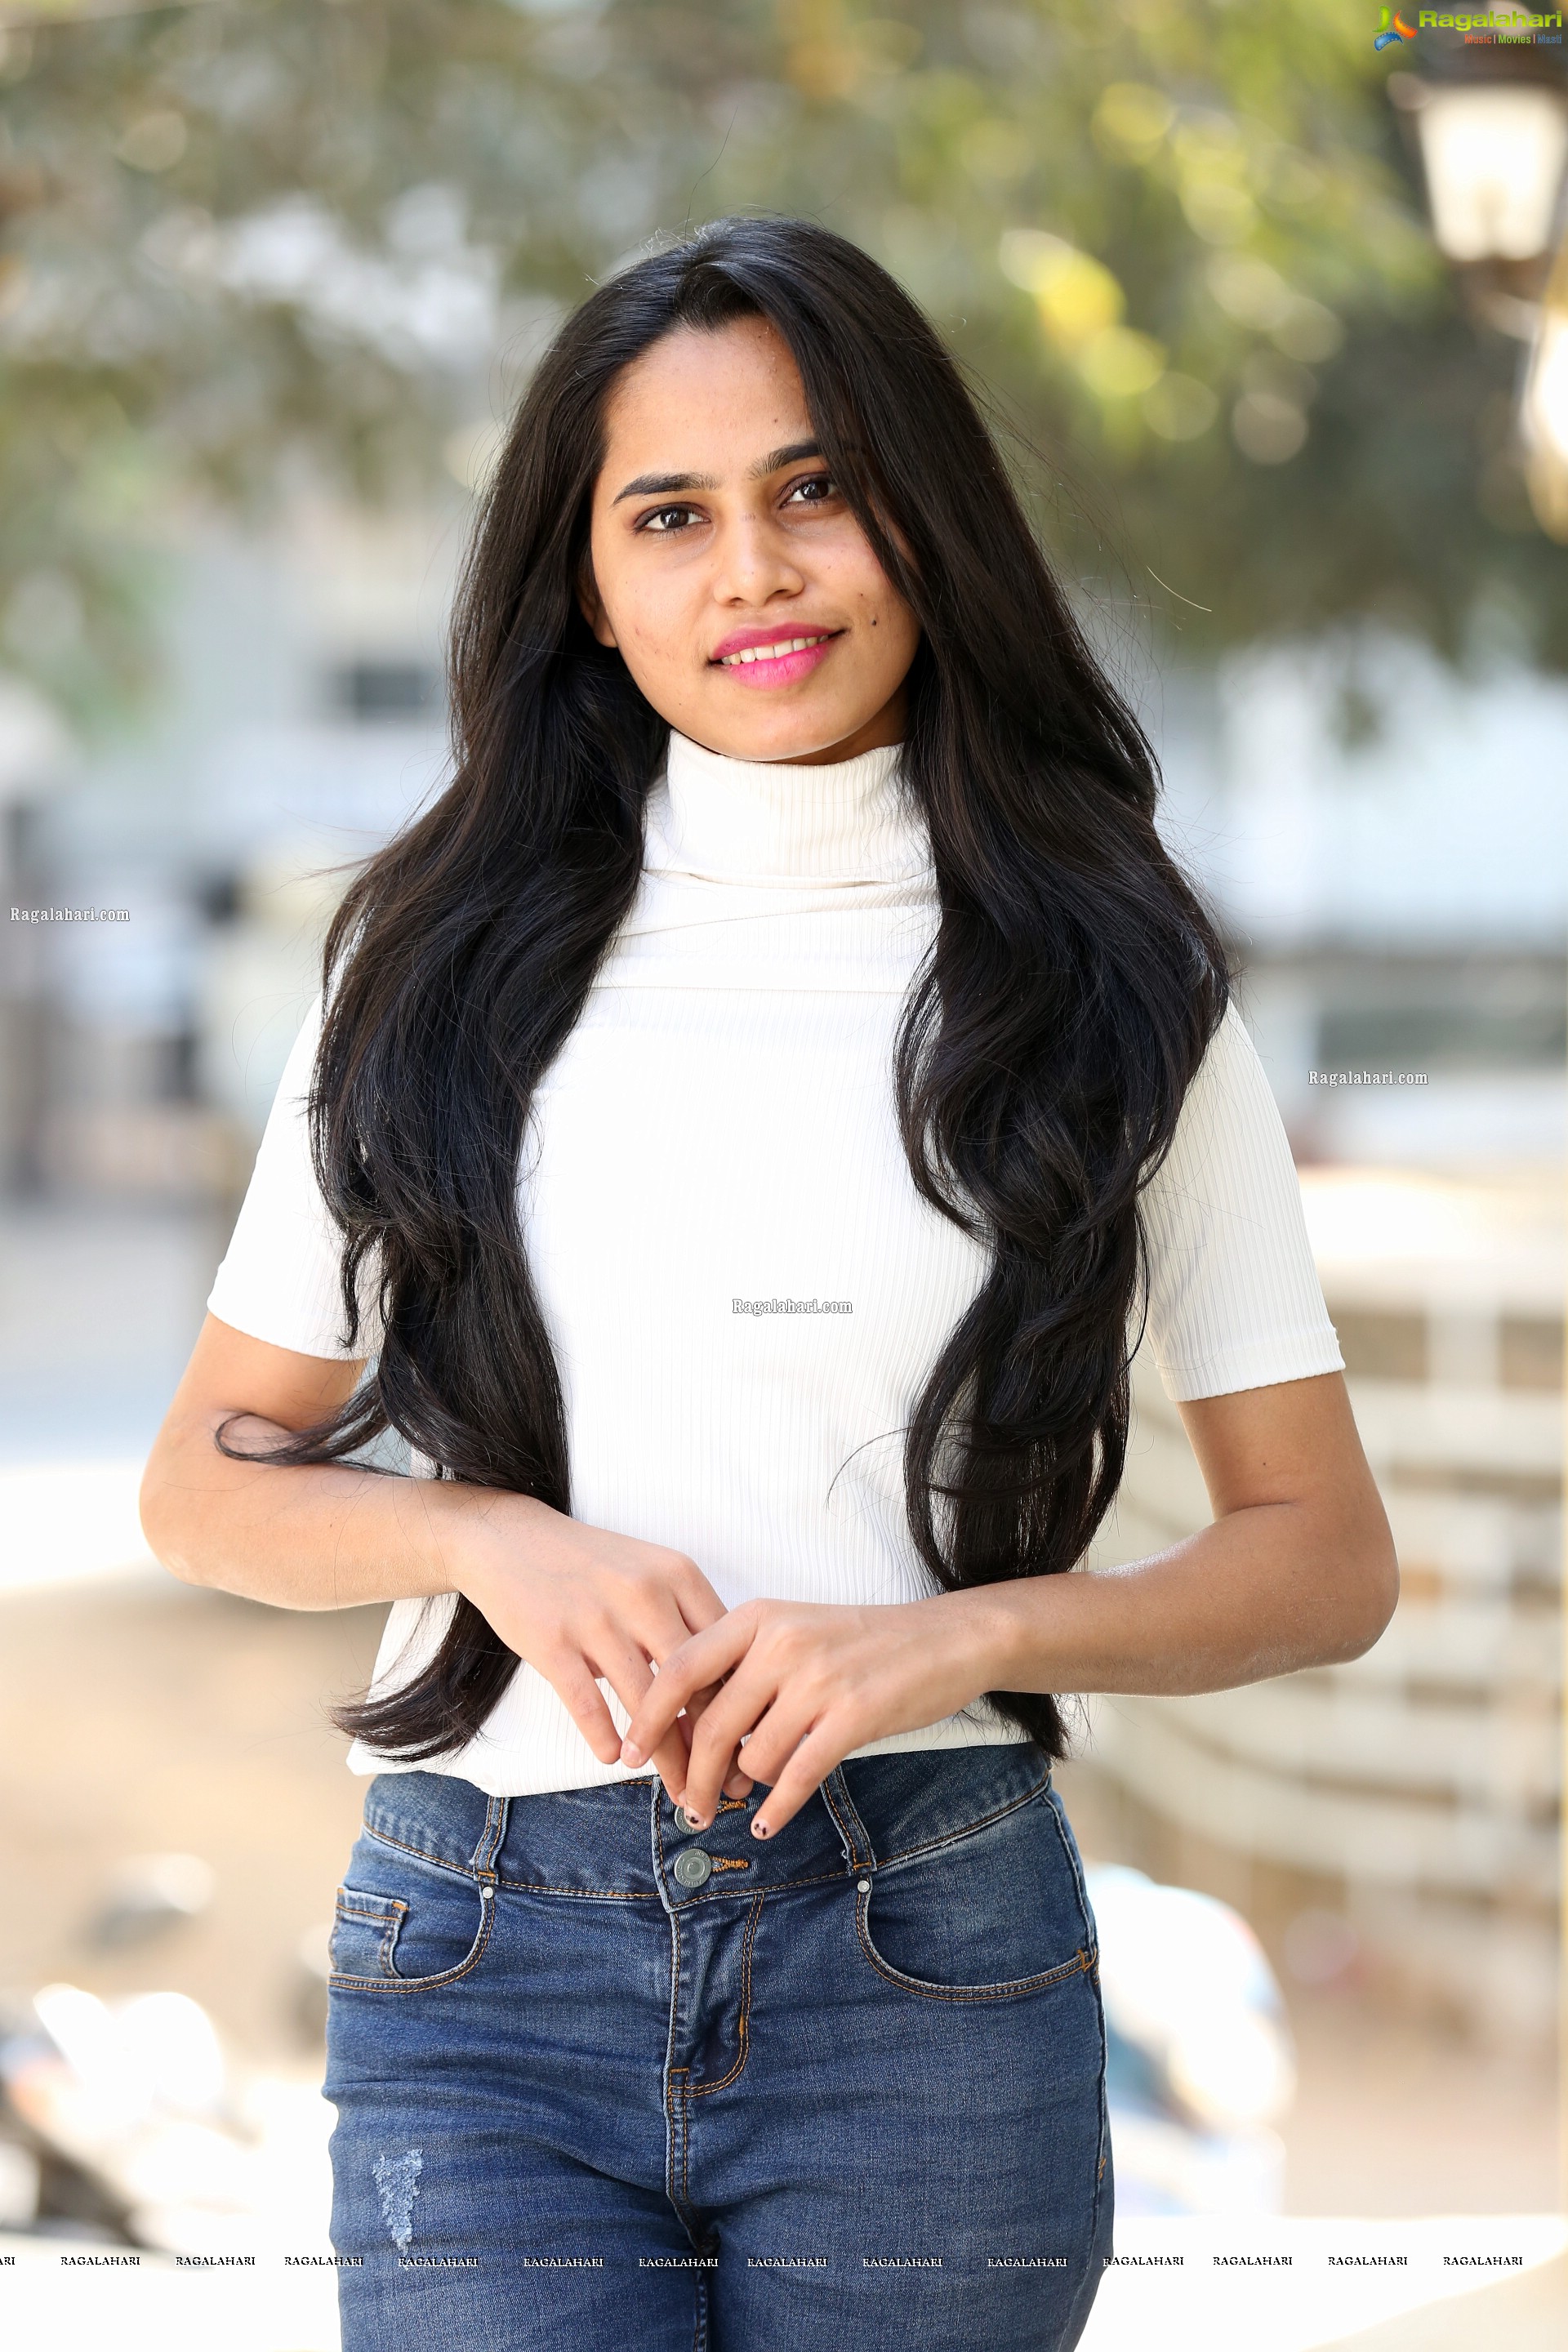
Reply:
x=702 y=400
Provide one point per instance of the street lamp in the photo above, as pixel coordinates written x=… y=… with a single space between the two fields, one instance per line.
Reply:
x=1493 y=155
x=1491 y=123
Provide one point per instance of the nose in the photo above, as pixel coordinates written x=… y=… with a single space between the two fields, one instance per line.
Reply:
x=753 y=563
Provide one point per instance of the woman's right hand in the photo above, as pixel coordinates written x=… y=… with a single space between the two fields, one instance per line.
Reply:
x=577 y=1602
x=580 y=1604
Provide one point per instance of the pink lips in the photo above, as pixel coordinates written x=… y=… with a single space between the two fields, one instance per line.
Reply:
x=785 y=669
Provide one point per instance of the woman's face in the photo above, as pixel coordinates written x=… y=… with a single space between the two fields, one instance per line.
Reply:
x=742 y=595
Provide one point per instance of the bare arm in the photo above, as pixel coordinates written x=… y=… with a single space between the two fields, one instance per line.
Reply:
x=578 y=1603
x=322 y=1538
x=1298 y=1569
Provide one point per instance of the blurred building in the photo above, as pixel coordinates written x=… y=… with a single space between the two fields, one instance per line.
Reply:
x=36 y=758
x=1387 y=842
x=302 y=720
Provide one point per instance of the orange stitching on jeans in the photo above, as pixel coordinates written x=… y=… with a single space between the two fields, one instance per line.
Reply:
x=785 y=1886
x=611 y=1894
x=1081 y=1964
x=685 y=2129
x=846 y=1833
x=439 y=1861
x=673 y=2193
x=954 y=1837
x=728 y=1862
x=743 y=2026
x=390 y=1927
x=424 y=1984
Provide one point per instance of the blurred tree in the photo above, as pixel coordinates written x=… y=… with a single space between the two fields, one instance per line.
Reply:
x=1178 y=240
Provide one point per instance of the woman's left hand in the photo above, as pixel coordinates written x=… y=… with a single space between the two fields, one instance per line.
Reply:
x=804 y=1684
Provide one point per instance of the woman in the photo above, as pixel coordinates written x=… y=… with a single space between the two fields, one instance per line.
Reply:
x=755 y=1111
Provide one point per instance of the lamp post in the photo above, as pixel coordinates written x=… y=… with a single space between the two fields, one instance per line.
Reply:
x=1491 y=125
x=1543 y=410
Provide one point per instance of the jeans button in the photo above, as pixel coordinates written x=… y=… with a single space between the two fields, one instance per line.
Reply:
x=692 y=1865
x=686 y=1819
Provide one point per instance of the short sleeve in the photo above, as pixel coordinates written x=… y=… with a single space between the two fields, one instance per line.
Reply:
x=280 y=1278
x=1235 y=1301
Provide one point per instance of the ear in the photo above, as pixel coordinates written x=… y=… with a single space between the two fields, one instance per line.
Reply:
x=591 y=606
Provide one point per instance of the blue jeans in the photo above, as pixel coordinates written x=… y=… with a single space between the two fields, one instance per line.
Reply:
x=601 y=2079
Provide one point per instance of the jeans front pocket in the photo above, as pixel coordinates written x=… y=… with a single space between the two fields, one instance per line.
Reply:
x=403 y=1924
x=993 y=1912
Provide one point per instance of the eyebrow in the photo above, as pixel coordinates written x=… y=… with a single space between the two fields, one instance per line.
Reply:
x=777 y=459
x=658 y=485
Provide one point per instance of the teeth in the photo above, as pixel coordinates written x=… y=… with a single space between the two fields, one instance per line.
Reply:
x=770 y=653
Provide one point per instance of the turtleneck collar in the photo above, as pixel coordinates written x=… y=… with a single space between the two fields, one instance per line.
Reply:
x=762 y=822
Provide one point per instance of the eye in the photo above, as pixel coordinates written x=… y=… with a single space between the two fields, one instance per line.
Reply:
x=666 y=519
x=811 y=490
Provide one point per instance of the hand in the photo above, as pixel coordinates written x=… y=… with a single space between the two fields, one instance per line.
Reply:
x=804 y=1684
x=577 y=1603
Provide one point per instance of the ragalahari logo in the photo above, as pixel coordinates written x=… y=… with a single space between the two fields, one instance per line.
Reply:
x=1392 y=30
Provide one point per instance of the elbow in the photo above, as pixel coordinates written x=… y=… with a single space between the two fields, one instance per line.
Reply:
x=1368 y=1598
x=162 y=1528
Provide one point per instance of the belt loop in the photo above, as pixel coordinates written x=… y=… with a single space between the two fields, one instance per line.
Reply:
x=853 y=1834
x=483 y=1864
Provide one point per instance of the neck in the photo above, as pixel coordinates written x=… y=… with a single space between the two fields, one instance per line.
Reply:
x=784 y=821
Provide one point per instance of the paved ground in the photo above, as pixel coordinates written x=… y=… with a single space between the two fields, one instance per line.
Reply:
x=141 y=1716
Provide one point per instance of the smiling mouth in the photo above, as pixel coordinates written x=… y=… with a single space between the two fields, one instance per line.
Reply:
x=775 y=652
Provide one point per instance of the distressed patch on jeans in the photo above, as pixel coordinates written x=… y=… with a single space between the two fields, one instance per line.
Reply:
x=397 y=2179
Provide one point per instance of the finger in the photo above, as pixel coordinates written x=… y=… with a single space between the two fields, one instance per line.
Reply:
x=703 y=1659
x=738 y=1782
x=716 y=1742
x=630 y=1675
x=628 y=1660
x=585 y=1702
x=695 y=1599
x=773 y=1739
x=814 y=1758
x=697 y=1706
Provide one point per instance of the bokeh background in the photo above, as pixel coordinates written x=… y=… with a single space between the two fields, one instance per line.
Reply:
x=1270 y=307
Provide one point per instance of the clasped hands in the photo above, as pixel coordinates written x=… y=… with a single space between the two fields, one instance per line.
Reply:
x=773 y=1691
x=801 y=1684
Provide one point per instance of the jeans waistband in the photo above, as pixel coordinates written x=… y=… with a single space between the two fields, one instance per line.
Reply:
x=625 y=1838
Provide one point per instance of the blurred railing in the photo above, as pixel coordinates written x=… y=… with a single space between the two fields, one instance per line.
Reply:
x=1416 y=1786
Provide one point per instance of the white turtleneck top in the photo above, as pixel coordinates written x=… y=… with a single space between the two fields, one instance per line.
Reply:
x=743 y=1290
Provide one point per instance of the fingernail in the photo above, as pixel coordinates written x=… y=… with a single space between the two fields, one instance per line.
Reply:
x=762 y=1829
x=631 y=1753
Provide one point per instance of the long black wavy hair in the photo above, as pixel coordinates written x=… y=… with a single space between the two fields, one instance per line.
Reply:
x=1043 y=1051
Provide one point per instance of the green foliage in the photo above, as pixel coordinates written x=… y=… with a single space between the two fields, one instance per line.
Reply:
x=1178 y=241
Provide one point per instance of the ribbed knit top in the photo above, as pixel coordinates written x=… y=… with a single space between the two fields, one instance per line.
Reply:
x=743 y=1290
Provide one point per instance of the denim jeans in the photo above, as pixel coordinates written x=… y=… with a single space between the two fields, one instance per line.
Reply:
x=601 y=2079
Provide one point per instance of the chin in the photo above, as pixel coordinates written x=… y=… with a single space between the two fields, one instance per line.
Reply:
x=782 y=741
